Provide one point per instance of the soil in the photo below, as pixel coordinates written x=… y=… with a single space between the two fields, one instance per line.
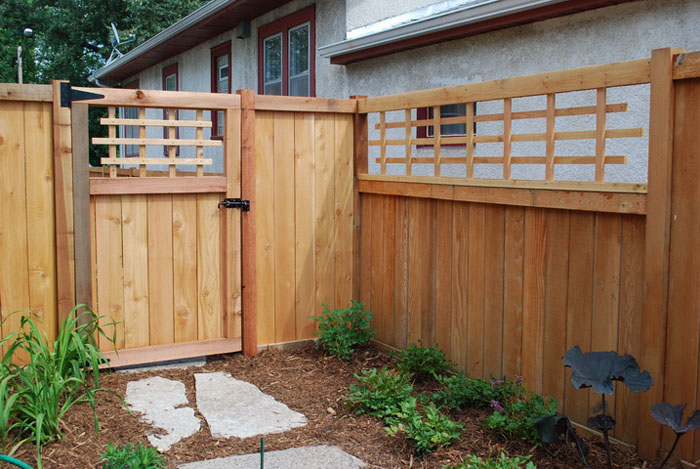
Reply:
x=309 y=382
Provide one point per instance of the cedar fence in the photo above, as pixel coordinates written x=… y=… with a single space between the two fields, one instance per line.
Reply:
x=353 y=198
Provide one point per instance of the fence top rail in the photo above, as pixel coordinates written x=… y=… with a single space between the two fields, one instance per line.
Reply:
x=17 y=92
x=632 y=72
x=159 y=99
x=304 y=104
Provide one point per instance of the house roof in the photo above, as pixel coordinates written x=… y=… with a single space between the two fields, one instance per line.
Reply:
x=212 y=19
x=468 y=18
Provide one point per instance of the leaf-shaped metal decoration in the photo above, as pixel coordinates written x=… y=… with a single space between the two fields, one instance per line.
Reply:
x=551 y=426
x=598 y=370
x=602 y=422
x=672 y=416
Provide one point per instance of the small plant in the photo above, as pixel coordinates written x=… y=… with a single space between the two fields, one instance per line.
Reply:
x=132 y=457
x=459 y=392
x=35 y=397
x=423 y=362
x=672 y=416
x=380 y=392
x=427 y=432
x=599 y=370
x=341 y=330
x=516 y=419
x=501 y=462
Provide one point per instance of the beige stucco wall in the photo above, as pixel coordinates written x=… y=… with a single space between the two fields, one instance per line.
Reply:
x=611 y=34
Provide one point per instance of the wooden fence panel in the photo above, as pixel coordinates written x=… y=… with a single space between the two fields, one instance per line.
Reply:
x=304 y=216
x=526 y=285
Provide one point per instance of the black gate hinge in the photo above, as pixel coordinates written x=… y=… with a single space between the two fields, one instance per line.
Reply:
x=235 y=203
x=68 y=94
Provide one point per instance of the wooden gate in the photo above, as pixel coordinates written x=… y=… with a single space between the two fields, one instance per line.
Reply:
x=164 y=256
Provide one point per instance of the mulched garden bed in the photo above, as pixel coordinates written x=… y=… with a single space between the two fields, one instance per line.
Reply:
x=309 y=382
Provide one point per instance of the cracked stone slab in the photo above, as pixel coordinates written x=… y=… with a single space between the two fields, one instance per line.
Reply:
x=235 y=408
x=161 y=402
x=310 y=457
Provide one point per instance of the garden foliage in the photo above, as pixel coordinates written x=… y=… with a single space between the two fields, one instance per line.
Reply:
x=423 y=362
x=341 y=330
x=428 y=431
x=516 y=417
x=459 y=392
x=35 y=396
x=501 y=462
x=380 y=392
x=132 y=457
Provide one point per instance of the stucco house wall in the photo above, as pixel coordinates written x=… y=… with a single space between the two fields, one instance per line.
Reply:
x=616 y=33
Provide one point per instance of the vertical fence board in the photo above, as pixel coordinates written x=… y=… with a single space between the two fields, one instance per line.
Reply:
x=365 y=255
x=324 y=209
x=304 y=214
x=343 y=156
x=476 y=291
x=513 y=291
x=389 y=272
x=185 y=267
x=378 y=268
x=160 y=269
x=135 y=248
x=443 y=275
x=209 y=294
x=493 y=296
x=426 y=274
x=460 y=260
x=110 y=291
x=400 y=332
x=533 y=297
x=40 y=209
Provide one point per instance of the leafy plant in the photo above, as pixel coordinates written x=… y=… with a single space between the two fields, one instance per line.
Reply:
x=599 y=370
x=459 y=392
x=380 y=392
x=672 y=416
x=516 y=419
x=37 y=395
x=341 y=330
x=501 y=462
x=423 y=362
x=427 y=432
x=132 y=457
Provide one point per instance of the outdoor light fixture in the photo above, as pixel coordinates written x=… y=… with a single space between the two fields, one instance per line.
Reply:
x=26 y=34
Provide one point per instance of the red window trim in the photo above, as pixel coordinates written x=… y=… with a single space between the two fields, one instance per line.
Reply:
x=283 y=26
x=170 y=70
x=216 y=52
x=132 y=85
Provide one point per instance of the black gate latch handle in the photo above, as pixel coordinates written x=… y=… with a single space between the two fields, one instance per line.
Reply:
x=235 y=203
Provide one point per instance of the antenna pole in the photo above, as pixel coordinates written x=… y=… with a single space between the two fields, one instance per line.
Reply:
x=19 y=64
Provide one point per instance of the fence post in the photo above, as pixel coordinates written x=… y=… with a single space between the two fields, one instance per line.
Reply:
x=360 y=167
x=81 y=203
x=63 y=204
x=656 y=254
x=249 y=296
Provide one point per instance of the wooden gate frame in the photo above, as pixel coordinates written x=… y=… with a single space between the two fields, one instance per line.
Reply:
x=72 y=195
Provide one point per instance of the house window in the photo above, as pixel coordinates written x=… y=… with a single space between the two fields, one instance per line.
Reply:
x=286 y=55
x=130 y=131
x=446 y=130
x=170 y=83
x=220 y=82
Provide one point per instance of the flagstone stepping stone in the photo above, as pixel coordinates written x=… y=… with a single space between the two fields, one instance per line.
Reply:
x=310 y=457
x=161 y=402
x=235 y=408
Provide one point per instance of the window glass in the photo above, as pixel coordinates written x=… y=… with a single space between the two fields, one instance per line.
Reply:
x=273 y=65
x=171 y=82
x=449 y=110
x=130 y=131
x=222 y=74
x=299 y=61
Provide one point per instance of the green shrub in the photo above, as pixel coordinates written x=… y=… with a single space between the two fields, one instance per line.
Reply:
x=342 y=330
x=35 y=397
x=516 y=419
x=423 y=362
x=132 y=457
x=459 y=392
x=502 y=462
x=427 y=432
x=380 y=392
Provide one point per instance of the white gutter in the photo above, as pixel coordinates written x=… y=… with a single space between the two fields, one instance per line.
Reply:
x=425 y=21
x=173 y=30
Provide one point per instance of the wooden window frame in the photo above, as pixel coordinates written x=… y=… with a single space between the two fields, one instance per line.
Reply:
x=216 y=52
x=171 y=69
x=132 y=85
x=282 y=26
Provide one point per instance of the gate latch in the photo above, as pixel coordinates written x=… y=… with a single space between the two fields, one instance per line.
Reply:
x=235 y=203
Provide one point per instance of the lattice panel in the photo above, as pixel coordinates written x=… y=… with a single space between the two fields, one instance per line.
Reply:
x=170 y=141
x=600 y=133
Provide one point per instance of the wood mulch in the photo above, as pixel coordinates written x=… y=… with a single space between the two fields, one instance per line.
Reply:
x=309 y=382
